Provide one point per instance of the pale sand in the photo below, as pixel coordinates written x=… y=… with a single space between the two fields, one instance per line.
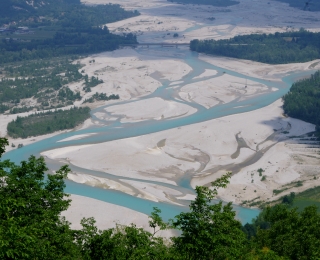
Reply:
x=143 y=190
x=107 y=215
x=100 y=182
x=159 y=20
x=129 y=74
x=220 y=90
x=158 y=192
x=153 y=108
x=207 y=73
x=75 y=137
x=209 y=143
x=204 y=149
x=283 y=165
x=260 y=70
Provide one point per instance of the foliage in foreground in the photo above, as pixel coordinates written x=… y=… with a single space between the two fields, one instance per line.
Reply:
x=31 y=226
x=47 y=122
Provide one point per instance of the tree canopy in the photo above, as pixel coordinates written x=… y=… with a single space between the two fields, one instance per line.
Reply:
x=278 y=48
x=31 y=227
x=56 y=28
x=30 y=223
x=303 y=100
x=47 y=122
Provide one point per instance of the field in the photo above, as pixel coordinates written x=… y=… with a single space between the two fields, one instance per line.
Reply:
x=307 y=198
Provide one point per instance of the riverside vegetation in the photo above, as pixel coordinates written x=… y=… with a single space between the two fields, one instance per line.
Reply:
x=38 y=85
x=31 y=226
x=278 y=48
x=303 y=100
x=47 y=122
x=36 y=61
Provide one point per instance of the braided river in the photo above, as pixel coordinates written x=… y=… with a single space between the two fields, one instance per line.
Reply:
x=107 y=131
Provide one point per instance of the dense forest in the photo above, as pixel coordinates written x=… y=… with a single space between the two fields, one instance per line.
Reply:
x=312 y=6
x=47 y=122
x=31 y=226
x=222 y=3
x=303 y=100
x=278 y=48
x=81 y=41
x=58 y=28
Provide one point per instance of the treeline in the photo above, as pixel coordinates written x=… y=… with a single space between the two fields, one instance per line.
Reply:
x=76 y=29
x=278 y=48
x=47 y=122
x=314 y=6
x=303 y=100
x=80 y=41
x=31 y=226
x=222 y=3
x=65 y=13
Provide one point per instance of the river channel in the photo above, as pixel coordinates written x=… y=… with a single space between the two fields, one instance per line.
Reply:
x=114 y=130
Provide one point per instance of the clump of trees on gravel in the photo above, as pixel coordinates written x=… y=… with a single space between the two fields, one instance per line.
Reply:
x=303 y=100
x=47 y=122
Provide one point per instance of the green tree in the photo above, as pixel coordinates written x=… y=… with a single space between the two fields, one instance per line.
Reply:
x=292 y=234
x=156 y=222
x=30 y=207
x=209 y=231
x=125 y=242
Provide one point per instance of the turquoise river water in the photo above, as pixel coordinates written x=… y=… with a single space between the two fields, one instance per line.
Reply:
x=109 y=131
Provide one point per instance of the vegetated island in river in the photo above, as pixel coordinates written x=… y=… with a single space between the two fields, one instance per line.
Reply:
x=51 y=28
x=47 y=122
x=278 y=48
x=303 y=100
